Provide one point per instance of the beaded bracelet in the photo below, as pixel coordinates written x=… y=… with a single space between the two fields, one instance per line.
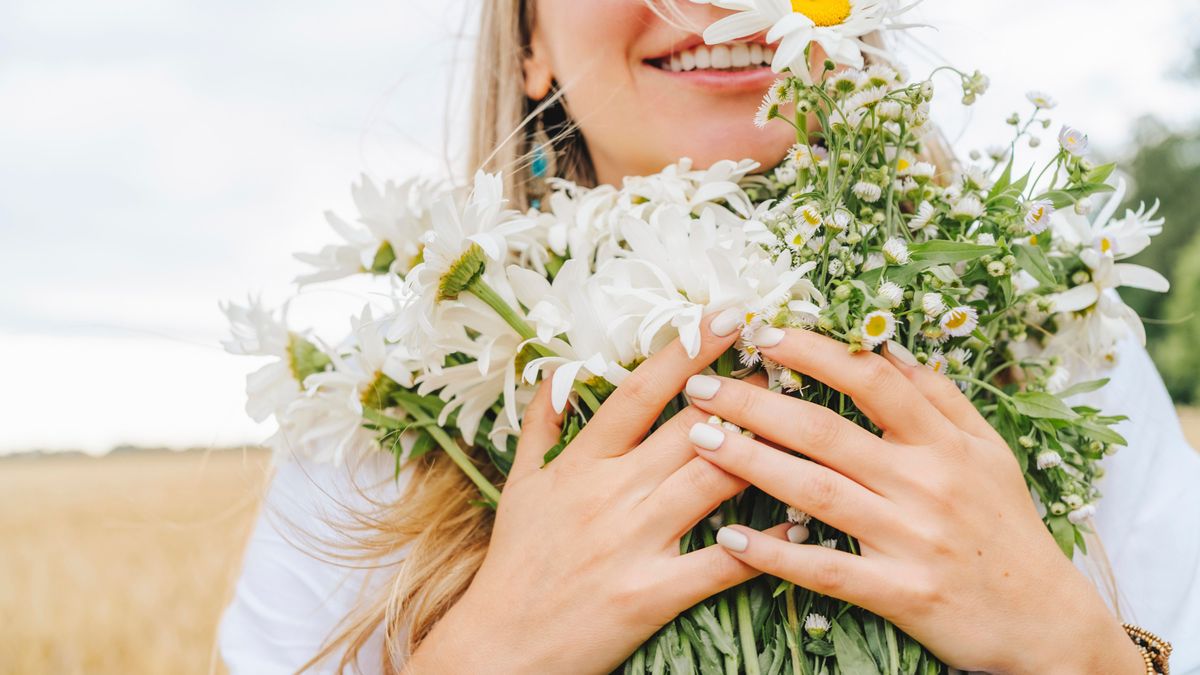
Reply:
x=1156 y=651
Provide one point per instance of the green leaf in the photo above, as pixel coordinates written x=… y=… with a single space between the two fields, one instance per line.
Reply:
x=1083 y=388
x=950 y=251
x=1101 y=173
x=1064 y=533
x=1099 y=432
x=707 y=622
x=1032 y=260
x=1004 y=180
x=853 y=657
x=1040 y=405
x=1067 y=197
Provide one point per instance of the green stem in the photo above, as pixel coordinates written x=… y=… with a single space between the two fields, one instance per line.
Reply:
x=460 y=458
x=746 y=632
x=480 y=289
x=793 y=620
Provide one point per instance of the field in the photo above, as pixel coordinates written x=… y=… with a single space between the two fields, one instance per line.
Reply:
x=122 y=565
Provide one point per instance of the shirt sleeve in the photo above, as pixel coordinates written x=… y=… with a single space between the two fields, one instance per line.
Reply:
x=1149 y=516
x=292 y=595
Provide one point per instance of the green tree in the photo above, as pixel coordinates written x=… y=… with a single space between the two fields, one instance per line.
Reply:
x=1176 y=352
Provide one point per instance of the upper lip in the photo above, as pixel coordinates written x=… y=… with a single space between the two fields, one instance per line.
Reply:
x=695 y=40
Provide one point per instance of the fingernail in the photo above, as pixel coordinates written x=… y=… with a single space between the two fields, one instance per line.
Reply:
x=702 y=387
x=768 y=336
x=706 y=436
x=733 y=540
x=797 y=534
x=726 y=322
x=902 y=354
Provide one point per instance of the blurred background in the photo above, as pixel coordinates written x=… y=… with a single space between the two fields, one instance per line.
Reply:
x=157 y=157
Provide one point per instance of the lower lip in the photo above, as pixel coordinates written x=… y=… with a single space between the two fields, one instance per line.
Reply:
x=734 y=81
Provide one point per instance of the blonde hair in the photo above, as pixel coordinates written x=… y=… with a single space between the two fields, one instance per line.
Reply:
x=445 y=531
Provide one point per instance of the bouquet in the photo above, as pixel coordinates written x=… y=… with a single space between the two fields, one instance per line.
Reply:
x=998 y=278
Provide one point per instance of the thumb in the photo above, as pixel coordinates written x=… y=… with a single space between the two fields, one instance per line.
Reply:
x=540 y=431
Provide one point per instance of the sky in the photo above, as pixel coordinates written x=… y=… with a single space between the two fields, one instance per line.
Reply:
x=158 y=156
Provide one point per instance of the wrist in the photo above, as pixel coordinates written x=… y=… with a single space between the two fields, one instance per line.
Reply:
x=461 y=643
x=1076 y=634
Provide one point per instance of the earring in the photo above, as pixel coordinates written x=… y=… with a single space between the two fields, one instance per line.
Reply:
x=543 y=161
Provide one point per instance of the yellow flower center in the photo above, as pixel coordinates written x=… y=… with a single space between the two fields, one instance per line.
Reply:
x=823 y=12
x=902 y=165
x=811 y=216
x=876 y=326
x=1105 y=245
x=957 y=319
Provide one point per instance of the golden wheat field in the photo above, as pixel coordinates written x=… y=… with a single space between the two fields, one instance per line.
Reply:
x=123 y=564
x=120 y=564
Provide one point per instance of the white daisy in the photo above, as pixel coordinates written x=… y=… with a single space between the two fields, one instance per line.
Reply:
x=878 y=327
x=1037 y=216
x=816 y=626
x=895 y=251
x=969 y=207
x=960 y=321
x=891 y=294
x=1048 y=459
x=1073 y=141
x=933 y=304
x=256 y=331
x=839 y=26
x=1042 y=100
x=937 y=362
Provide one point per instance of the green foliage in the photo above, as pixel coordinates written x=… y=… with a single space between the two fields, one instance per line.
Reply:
x=1176 y=350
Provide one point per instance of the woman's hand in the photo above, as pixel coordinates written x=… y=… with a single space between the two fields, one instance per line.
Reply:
x=584 y=561
x=953 y=550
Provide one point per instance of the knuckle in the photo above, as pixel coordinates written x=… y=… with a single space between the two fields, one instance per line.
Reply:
x=878 y=374
x=638 y=388
x=823 y=492
x=829 y=575
x=703 y=477
x=821 y=428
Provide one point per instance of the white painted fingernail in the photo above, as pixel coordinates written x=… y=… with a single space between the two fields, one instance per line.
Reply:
x=702 y=387
x=768 y=336
x=706 y=436
x=797 y=534
x=902 y=354
x=733 y=540
x=726 y=322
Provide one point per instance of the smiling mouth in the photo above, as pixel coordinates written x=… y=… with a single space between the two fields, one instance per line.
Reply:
x=736 y=57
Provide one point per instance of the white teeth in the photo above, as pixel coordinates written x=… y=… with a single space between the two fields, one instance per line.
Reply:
x=739 y=55
x=718 y=57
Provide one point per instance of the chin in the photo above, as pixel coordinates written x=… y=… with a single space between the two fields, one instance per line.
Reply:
x=733 y=137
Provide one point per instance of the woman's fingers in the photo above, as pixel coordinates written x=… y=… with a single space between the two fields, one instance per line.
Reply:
x=808 y=486
x=631 y=410
x=540 y=431
x=877 y=387
x=941 y=392
x=666 y=449
x=686 y=496
x=805 y=427
x=699 y=575
x=827 y=571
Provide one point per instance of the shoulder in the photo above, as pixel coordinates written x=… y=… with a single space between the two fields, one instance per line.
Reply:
x=292 y=592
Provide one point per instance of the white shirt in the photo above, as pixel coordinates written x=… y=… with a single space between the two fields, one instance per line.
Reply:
x=290 y=598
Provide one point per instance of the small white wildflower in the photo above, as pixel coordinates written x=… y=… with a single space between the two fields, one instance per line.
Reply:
x=937 y=362
x=868 y=192
x=816 y=626
x=1072 y=501
x=1083 y=207
x=1073 y=141
x=969 y=207
x=891 y=293
x=790 y=380
x=890 y=110
x=895 y=251
x=959 y=357
x=1048 y=460
x=1059 y=381
x=960 y=321
x=1042 y=100
x=830 y=543
x=840 y=220
x=997 y=268
x=1037 y=216
x=933 y=304
x=767 y=110
x=878 y=327
x=924 y=215
x=978 y=293
x=986 y=239
x=798 y=517
x=1082 y=514
x=922 y=170
x=836 y=268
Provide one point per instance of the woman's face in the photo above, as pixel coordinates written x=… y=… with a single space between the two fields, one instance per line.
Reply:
x=646 y=93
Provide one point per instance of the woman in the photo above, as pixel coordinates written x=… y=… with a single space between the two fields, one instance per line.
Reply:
x=581 y=564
